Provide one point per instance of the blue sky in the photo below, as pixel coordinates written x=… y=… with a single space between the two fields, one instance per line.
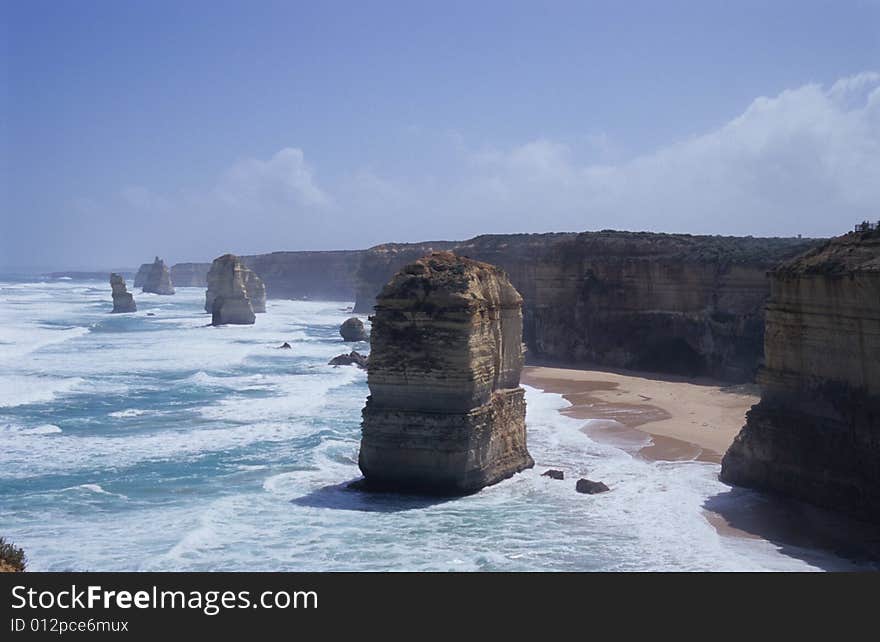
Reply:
x=188 y=129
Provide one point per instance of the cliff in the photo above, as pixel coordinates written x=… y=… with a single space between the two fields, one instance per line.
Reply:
x=308 y=275
x=123 y=300
x=445 y=413
x=815 y=434
x=140 y=276
x=226 y=298
x=378 y=264
x=158 y=279
x=190 y=275
x=676 y=303
x=255 y=289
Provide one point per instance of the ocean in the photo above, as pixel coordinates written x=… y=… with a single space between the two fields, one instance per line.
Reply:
x=154 y=442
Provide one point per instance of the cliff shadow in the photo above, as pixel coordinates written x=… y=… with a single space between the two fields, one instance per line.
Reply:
x=350 y=495
x=826 y=540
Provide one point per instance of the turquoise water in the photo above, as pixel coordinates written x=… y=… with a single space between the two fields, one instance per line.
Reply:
x=137 y=442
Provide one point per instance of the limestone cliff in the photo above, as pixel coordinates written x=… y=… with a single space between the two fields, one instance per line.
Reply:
x=664 y=302
x=256 y=290
x=141 y=276
x=815 y=434
x=326 y=276
x=445 y=412
x=123 y=300
x=190 y=275
x=158 y=279
x=226 y=298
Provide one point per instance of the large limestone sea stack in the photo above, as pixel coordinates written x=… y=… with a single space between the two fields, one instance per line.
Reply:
x=815 y=434
x=158 y=280
x=446 y=413
x=233 y=291
x=123 y=300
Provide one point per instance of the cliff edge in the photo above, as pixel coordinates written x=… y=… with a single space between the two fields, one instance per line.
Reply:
x=815 y=434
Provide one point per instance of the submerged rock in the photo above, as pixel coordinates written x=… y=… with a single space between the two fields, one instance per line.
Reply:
x=815 y=434
x=554 y=474
x=226 y=297
x=123 y=300
x=284 y=346
x=446 y=413
x=351 y=359
x=158 y=279
x=590 y=487
x=353 y=330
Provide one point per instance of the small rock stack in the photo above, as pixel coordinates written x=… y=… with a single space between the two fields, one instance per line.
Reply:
x=227 y=297
x=158 y=280
x=446 y=414
x=123 y=300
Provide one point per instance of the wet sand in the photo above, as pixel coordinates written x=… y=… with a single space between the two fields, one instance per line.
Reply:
x=672 y=418
x=685 y=419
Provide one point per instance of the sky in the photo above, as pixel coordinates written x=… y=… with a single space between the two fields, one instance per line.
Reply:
x=189 y=128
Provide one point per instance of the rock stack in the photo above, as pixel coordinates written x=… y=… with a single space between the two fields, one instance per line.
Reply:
x=158 y=280
x=815 y=434
x=353 y=330
x=227 y=298
x=256 y=290
x=123 y=300
x=446 y=413
x=141 y=276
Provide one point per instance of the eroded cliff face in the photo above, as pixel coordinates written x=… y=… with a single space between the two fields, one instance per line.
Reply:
x=326 y=276
x=255 y=289
x=190 y=275
x=123 y=300
x=158 y=279
x=226 y=298
x=815 y=434
x=445 y=413
x=684 y=304
x=222 y=280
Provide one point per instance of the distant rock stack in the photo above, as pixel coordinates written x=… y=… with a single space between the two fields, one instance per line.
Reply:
x=256 y=290
x=123 y=300
x=141 y=277
x=158 y=279
x=815 y=434
x=227 y=298
x=446 y=413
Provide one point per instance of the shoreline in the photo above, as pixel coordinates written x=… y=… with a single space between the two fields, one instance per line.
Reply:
x=660 y=418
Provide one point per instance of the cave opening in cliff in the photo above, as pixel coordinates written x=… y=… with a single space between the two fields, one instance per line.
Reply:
x=673 y=355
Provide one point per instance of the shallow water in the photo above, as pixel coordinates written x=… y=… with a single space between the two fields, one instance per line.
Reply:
x=135 y=442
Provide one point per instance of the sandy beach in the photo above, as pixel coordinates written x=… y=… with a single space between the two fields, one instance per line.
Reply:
x=686 y=419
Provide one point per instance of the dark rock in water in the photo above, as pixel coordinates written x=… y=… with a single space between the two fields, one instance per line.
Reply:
x=123 y=300
x=815 y=434
x=554 y=474
x=590 y=487
x=284 y=346
x=446 y=414
x=158 y=280
x=225 y=273
x=352 y=358
x=226 y=297
x=151 y=314
x=353 y=330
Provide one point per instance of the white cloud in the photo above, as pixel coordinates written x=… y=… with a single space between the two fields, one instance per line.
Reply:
x=804 y=161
